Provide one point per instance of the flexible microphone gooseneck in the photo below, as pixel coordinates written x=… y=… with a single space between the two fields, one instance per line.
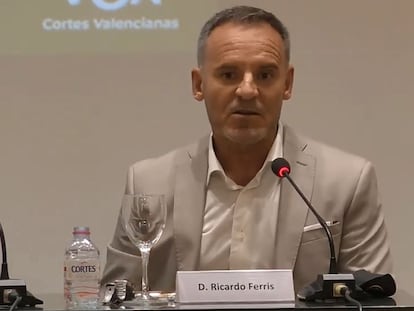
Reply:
x=327 y=286
x=4 y=269
x=281 y=168
x=335 y=284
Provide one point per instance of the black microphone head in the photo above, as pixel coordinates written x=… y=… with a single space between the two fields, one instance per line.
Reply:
x=280 y=167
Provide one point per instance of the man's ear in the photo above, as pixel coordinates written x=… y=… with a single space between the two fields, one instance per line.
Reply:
x=197 y=84
x=287 y=94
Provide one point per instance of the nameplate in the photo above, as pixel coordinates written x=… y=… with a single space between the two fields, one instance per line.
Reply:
x=234 y=286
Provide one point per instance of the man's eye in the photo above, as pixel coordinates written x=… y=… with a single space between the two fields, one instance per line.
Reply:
x=228 y=75
x=265 y=75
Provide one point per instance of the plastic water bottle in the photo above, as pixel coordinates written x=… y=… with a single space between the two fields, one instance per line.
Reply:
x=81 y=271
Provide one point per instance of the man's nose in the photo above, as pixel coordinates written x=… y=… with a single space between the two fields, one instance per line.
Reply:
x=247 y=88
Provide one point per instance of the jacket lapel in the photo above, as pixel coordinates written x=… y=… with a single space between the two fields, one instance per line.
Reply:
x=292 y=210
x=189 y=201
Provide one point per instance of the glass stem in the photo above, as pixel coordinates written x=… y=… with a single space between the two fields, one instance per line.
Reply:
x=145 y=286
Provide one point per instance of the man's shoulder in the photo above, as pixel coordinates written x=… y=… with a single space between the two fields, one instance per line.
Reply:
x=326 y=153
x=173 y=157
x=329 y=151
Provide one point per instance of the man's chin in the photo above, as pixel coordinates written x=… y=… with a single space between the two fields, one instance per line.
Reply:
x=245 y=137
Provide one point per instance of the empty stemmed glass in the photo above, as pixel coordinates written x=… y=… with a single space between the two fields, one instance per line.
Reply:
x=143 y=217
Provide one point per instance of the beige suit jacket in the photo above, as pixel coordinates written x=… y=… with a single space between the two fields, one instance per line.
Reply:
x=342 y=187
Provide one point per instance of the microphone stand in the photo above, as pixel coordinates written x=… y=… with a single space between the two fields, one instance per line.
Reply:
x=13 y=291
x=4 y=269
x=332 y=264
x=333 y=284
x=327 y=286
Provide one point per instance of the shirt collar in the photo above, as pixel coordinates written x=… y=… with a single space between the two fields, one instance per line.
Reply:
x=276 y=151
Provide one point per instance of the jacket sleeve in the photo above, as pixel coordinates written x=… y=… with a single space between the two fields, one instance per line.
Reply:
x=123 y=259
x=364 y=243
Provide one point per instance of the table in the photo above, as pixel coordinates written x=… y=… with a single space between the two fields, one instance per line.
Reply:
x=402 y=300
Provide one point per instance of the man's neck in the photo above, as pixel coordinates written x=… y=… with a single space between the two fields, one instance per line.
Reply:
x=242 y=163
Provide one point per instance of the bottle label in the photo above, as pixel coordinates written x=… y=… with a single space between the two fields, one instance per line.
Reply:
x=82 y=270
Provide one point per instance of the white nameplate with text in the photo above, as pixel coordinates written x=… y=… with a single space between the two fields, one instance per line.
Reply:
x=235 y=286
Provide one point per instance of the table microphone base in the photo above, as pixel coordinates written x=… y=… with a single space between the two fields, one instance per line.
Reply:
x=328 y=287
x=10 y=289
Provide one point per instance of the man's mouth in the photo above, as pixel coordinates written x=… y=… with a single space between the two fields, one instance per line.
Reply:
x=245 y=112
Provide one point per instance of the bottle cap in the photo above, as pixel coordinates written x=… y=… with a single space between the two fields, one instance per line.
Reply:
x=81 y=230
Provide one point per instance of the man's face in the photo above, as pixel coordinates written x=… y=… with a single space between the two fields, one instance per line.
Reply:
x=243 y=80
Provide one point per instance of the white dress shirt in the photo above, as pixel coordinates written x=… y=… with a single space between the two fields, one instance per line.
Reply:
x=239 y=227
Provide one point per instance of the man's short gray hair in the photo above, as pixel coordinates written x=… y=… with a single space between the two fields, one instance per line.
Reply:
x=241 y=15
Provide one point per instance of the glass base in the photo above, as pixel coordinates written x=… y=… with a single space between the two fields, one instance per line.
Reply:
x=152 y=301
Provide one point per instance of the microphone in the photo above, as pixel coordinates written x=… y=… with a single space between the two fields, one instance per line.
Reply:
x=12 y=290
x=4 y=269
x=281 y=168
x=327 y=286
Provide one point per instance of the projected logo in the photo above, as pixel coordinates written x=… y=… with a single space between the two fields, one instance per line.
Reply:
x=108 y=5
x=149 y=20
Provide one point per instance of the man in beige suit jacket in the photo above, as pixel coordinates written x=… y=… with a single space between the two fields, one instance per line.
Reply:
x=341 y=186
x=244 y=75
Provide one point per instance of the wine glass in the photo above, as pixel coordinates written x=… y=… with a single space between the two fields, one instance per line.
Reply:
x=144 y=217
